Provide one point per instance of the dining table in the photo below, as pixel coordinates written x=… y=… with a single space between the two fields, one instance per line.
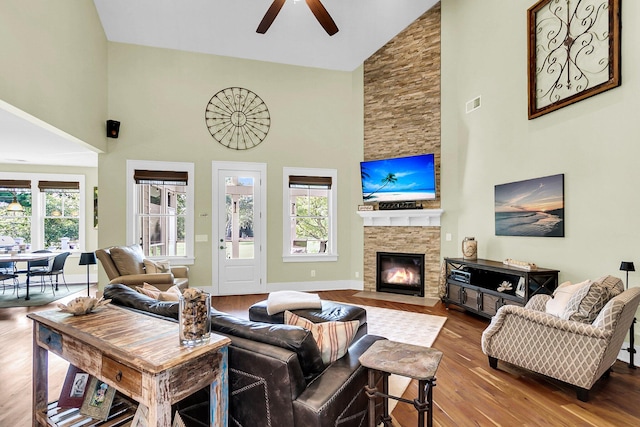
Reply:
x=28 y=258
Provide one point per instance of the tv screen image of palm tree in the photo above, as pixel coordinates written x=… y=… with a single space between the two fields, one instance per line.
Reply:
x=398 y=179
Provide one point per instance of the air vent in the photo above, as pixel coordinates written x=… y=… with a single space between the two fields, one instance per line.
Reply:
x=473 y=105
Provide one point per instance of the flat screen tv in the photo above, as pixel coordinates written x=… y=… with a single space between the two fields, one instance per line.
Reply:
x=400 y=179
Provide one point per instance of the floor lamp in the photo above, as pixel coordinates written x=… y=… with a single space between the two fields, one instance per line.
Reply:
x=88 y=258
x=628 y=266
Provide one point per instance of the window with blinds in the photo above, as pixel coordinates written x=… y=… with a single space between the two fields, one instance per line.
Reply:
x=309 y=213
x=61 y=212
x=161 y=210
x=44 y=211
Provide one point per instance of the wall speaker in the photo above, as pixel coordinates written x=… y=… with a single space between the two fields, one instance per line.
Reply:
x=113 y=128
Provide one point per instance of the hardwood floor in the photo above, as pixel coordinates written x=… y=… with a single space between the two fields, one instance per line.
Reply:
x=467 y=393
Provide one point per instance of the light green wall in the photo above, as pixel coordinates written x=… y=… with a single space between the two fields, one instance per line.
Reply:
x=594 y=143
x=53 y=64
x=160 y=95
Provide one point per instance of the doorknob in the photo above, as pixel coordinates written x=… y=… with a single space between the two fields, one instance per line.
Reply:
x=221 y=247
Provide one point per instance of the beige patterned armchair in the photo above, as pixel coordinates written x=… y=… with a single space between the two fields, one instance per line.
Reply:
x=575 y=352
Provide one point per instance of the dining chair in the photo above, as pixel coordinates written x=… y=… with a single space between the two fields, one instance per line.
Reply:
x=7 y=272
x=40 y=265
x=56 y=268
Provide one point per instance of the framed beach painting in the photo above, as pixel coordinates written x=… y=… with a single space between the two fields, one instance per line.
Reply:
x=534 y=207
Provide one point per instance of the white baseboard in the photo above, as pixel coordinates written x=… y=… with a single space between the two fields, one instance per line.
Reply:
x=334 y=285
x=77 y=278
x=624 y=354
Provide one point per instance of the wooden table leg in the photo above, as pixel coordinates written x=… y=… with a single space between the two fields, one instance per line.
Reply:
x=219 y=390
x=40 y=382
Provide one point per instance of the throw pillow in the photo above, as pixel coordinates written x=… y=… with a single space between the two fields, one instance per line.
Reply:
x=156 y=266
x=332 y=338
x=171 y=294
x=585 y=306
x=148 y=290
x=561 y=296
x=128 y=259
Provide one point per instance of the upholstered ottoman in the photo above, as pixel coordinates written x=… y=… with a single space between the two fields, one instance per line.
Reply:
x=330 y=312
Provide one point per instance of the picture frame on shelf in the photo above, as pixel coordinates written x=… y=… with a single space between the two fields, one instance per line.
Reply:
x=74 y=388
x=574 y=52
x=98 y=399
x=520 y=287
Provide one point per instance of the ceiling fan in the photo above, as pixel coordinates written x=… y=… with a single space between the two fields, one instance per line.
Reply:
x=316 y=7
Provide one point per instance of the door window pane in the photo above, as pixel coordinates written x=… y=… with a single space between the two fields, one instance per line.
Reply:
x=239 y=196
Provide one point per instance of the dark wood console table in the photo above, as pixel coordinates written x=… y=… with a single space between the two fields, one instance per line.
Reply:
x=475 y=285
x=139 y=355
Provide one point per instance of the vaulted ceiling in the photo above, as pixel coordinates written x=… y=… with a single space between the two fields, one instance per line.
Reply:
x=226 y=28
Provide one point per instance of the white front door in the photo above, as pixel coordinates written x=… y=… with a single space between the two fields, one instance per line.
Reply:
x=239 y=228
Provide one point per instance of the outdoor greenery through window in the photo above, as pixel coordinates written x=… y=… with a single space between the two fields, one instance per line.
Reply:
x=310 y=210
x=161 y=212
x=62 y=210
x=239 y=208
x=41 y=214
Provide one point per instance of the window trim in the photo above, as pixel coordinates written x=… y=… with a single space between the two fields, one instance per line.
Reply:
x=37 y=204
x=332 y=254
x=188 y=167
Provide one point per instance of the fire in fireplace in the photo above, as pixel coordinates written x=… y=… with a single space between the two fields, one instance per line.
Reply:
x=400 y=273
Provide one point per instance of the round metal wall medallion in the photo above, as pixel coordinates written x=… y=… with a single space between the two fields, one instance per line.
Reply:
x=237 y=118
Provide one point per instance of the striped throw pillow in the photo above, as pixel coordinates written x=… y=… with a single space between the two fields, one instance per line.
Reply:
x=332 y=338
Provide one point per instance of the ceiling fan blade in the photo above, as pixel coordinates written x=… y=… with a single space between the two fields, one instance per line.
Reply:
x=269 y=17
x=323 y=16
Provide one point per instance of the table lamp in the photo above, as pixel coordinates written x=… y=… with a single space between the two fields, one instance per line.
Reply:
x=628 y=266
x=88 y=258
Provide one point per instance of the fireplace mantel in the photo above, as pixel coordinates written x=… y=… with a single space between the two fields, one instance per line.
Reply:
x=402 y=218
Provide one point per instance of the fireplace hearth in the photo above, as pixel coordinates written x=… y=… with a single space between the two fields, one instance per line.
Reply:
x=400 y=273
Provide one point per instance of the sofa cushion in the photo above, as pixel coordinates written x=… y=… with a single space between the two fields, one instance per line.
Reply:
x=128 y=259
x=156 y=266
x=332 y=338
x=561 y=296
x=293 y=338
x=171 y=294
x=585 y=305
x=125 y=296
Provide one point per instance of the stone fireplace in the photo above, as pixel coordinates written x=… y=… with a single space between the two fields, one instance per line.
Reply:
x=403 y=232
x=402 y=117
x=400 y=273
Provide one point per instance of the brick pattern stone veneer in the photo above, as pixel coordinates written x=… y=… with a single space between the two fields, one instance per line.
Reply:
x=402 y=118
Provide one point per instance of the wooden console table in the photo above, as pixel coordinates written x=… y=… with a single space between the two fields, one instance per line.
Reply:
x=137 y=354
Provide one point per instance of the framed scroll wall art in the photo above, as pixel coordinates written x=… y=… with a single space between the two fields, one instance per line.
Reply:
x=574 y=52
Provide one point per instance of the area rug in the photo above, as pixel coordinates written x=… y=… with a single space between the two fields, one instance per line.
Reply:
x=403 y=326
x=37 y=298
x=405 y=299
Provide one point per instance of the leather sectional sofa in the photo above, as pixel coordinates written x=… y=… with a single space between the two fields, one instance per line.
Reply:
x=276 y=375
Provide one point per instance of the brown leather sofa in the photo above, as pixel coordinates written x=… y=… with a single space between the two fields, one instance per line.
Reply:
x=276 y=374
x=126 y=265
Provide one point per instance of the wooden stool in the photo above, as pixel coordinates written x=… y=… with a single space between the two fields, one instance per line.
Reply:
x=390 y=357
